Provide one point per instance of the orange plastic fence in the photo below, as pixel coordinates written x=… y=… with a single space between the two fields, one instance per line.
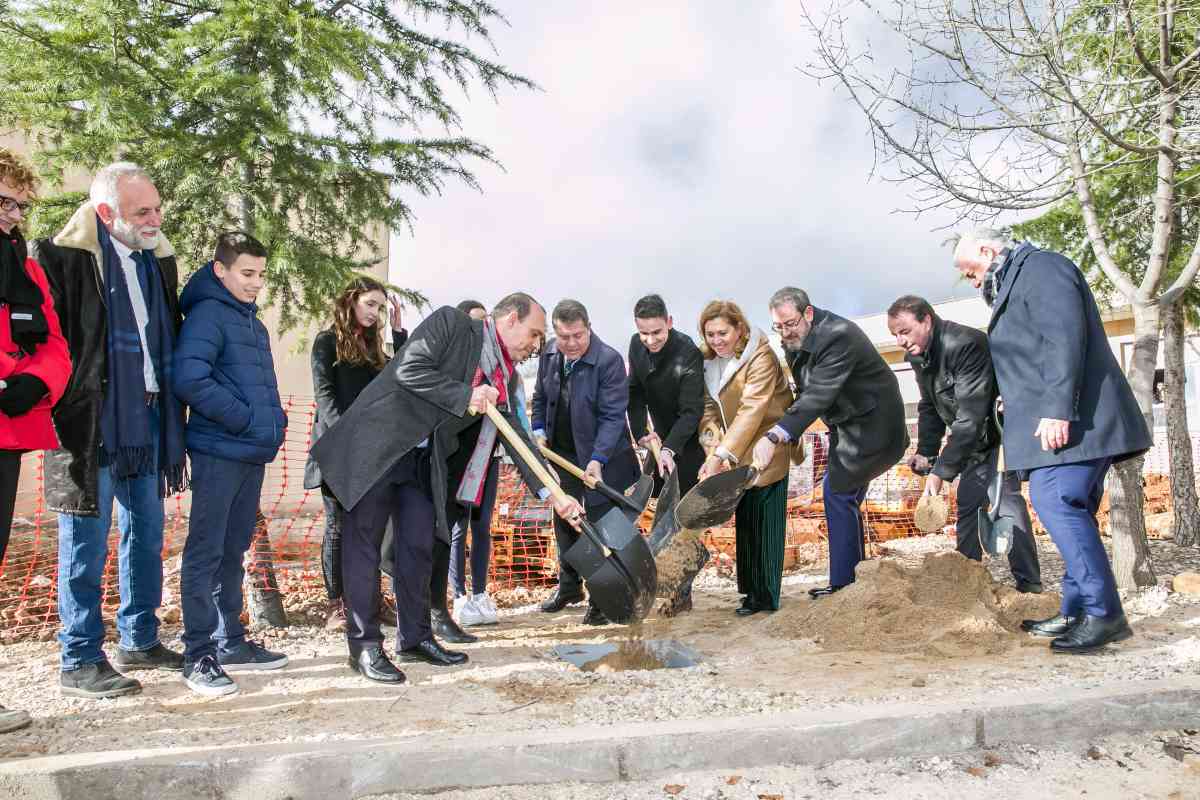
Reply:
x=523 y=550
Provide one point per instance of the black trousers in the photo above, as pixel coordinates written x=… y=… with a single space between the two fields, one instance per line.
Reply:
x=569 y=581
x=972 y=495
x=10 y=473
x=404 y=497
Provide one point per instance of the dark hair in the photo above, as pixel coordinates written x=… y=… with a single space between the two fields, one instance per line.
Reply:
x=232 y=244
x=917 y=306
x=650 y=307
x=790 y=294
x=517 y=301
x=568 y=311
x=354 y=344
x=467 y=306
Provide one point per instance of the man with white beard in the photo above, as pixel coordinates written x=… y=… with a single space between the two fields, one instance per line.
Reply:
x=115 y=285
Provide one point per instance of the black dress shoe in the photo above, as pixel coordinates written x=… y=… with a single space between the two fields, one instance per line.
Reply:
x=444 y=627
x=824 y=591
x=156 y=657
x=1092 y=633
x=594 y=616
x=433 y=653
x=1054 y=626
x=374 y=665
x=560 y=600
x=1025 y=587
x=749 y=606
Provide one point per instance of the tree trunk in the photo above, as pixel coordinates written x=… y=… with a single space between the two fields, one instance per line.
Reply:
x=1127 y=516
x=1185 y=527
x=263 y=601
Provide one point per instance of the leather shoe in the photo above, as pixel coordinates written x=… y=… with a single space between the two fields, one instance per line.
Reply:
x=374 y=665
x=445 y=628
x=594 y=616
x=1029 y=588
x=1053 y=626
x=433 y=653
x=1092 y=633
x=560 y=600
x=823 y=591
x=749 y=606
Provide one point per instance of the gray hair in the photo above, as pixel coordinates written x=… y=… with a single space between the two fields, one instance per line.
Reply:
x=790 y=294
x=1002 y=237
x=569 y=311
x=104 y=185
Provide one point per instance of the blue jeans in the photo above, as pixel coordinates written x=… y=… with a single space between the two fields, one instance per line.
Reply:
x=1066 y=497
x=83 y=551
x=480 y=521
x=225 y=497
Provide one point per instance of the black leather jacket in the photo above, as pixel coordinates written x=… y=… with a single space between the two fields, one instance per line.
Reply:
x=958 y=390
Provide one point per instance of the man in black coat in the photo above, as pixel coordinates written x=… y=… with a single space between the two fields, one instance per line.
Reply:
x=953 y=369
x=666 y=380
x=115 y=284
x=842 y=379
x=1069 y=414
x=386 y=458
x=580 y=402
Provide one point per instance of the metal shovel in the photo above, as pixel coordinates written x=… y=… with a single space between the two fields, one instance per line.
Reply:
x=632 y=502
x=713 y=500
x=621 y=581
x=995 y=531
x=665 y=525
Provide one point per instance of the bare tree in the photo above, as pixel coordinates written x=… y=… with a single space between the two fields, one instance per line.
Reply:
x=996 y=106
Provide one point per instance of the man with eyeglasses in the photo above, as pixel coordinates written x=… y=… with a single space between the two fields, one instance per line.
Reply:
x=841 y=379
x=115 y=284
x=579 y=406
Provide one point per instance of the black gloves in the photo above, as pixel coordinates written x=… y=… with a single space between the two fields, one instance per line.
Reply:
x=23 y=393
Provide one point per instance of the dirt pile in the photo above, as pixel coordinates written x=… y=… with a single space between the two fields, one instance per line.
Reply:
x=945 y=606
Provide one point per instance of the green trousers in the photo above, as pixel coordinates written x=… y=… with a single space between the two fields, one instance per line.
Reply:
x=761 y=528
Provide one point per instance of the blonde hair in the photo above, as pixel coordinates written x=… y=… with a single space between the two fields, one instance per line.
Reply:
x=731 y=313
x=15 y=171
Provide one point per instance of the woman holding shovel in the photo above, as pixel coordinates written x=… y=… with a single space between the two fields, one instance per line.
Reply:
x=746 y=393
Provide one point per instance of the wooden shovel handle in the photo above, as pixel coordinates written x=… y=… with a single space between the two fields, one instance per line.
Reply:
x=1000 y=460
x=518 y=444
x=588 y=480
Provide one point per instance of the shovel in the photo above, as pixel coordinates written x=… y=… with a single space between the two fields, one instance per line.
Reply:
x=996 y=531
x=621 y=581
x=665 y=525
x=633 y=502
x=713 y=500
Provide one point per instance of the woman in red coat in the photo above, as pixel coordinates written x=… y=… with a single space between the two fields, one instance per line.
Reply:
x=34 y=364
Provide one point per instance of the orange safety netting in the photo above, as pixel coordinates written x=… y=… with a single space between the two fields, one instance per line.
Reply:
x=523 y=551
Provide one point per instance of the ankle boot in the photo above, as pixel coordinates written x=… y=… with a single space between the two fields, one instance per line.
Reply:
x=446 y=629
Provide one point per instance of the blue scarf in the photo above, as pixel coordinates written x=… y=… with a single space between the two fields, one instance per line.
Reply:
x=125 y=418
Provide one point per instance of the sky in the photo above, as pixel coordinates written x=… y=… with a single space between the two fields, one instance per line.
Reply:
x=674 y=147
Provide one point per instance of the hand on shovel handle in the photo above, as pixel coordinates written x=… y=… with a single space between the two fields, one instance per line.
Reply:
x=481 y=397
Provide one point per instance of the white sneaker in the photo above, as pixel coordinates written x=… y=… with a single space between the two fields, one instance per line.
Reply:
x=460 y=602
x=470 y=613
x=486 y=608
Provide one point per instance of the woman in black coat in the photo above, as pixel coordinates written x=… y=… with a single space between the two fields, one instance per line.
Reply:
x=345 y=358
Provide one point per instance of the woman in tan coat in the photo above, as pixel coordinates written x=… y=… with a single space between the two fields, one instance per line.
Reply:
x=746 y=392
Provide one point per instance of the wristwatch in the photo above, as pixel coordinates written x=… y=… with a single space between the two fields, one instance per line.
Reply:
x=773 y=437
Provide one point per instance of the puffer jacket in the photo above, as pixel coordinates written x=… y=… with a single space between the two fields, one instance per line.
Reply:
x=49 y=362
x=743 y=399
x=225 y=373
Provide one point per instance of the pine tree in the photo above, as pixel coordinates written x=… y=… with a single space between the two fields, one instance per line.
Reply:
x=305 y=122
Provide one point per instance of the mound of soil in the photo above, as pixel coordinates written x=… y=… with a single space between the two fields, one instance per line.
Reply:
x=946 y=606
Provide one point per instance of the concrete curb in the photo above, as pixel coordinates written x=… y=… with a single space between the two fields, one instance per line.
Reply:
x=632 y=751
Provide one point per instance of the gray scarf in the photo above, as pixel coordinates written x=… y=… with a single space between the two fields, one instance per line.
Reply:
x=494 y=368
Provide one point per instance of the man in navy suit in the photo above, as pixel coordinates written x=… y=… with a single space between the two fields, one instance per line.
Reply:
x=1069 y=415
x=579 y=405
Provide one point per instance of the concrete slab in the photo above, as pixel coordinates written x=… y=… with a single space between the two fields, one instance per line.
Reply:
x=615 y=753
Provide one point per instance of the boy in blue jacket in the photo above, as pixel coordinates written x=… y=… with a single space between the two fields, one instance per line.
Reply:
x=225 y=374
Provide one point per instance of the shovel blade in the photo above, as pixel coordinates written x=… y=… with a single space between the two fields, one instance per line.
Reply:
x=713 y=500
x=615 y=529
x=639 y=494
x=665 y=526
x=621 y=585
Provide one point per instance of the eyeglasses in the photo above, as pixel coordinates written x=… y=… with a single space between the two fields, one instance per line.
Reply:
x=789 y=326
x=10 y=203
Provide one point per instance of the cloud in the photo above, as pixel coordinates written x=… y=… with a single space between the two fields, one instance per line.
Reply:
x=676 y=149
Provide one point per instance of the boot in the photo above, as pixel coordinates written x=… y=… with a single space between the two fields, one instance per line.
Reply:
x=446 y=629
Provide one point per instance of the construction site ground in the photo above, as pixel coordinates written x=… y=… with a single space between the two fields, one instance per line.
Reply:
x=922 y=625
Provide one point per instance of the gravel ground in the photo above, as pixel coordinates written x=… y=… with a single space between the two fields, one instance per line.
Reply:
x=513 y=684
x=1116 y=768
